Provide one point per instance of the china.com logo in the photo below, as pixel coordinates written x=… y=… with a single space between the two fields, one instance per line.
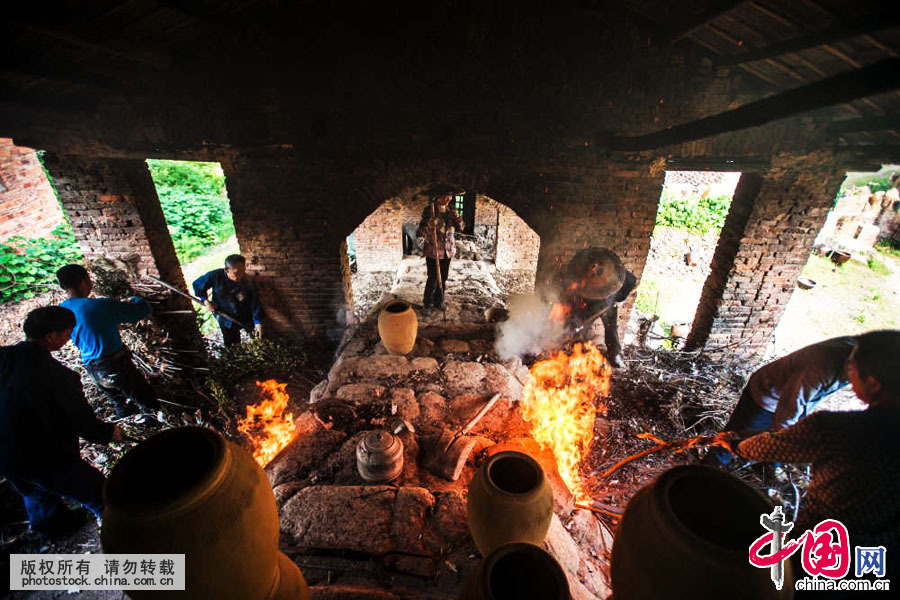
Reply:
x=825 y=554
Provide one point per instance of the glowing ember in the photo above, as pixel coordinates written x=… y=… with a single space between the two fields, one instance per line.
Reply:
x=560 y=312
x=559 y=402
x=267 y=425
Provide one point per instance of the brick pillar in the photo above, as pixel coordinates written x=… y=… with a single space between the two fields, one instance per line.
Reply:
x=115 y=214
x=518 y=246
x=766 y=241
x=287 y=228
x=379 y=243
x=28 y=206
x=614 y=206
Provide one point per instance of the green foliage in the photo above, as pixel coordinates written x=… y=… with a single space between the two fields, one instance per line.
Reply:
x=878 y=266
x=879 y=184
x=192 y=195
x=888 y=247
x=695 y=214
x=860 y=318
x=29 y=265
x=647 y=300
x=259 y=359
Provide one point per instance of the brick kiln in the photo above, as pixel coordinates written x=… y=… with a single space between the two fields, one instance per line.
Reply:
x=411 y=538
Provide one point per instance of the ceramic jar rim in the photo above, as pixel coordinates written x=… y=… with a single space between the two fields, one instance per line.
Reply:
x=525 y=458
x=221 y=458
x=660 y=494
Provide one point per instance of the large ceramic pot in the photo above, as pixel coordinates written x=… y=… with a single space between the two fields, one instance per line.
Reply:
x=687 y=535
x=379 y=457
x=397 y=326
x=509 y=501
x=189 y=491
x=517 y=571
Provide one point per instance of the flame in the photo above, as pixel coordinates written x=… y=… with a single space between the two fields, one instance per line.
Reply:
x=267 y=425
x=559 y=402
x=560 y=312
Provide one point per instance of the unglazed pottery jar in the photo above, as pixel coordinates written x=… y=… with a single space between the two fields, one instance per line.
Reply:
x=189 y=491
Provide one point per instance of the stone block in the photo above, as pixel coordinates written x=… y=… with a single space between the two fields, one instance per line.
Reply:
x=425 y=365
x=499 y=379
x=306 y=451
x=464 y=376
x=433 y=409
x=362 y=393
x=404 y=403
x=375 y=520
x=455 y=346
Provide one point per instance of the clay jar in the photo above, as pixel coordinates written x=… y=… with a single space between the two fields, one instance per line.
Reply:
x=687 y=535
x=379 y=457
x=517 y=571
x=189 y=491
x=509 y=501
x=397 y=327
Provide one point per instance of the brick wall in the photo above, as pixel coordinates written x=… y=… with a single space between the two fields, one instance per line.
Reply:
x=613 y=205
x=290 y=230
x=379 y=244
x=28 y=207
x=115 y=214
x=756 y=266
x=518 y=246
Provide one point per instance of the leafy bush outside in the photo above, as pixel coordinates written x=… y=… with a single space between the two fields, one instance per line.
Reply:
x=192 y=195
x=692 y=213
x=28 y=265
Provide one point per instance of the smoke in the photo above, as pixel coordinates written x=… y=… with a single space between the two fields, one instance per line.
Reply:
x=528 y=329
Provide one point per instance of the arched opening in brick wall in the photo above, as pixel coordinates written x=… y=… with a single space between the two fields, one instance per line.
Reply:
x=197 y=212
x=692 y=210
x=862 y=233
x=496 y=252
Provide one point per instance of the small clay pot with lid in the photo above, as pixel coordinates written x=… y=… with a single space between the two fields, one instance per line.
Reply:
x=379 y=457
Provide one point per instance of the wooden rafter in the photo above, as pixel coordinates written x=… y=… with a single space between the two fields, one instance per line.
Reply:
x=824 y=37
x=865 y=124
x=820 y=94
x=152 y=59
x=752 y=70
x=774 y=63
x=705 y=18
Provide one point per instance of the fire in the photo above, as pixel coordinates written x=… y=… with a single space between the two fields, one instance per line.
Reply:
x=560 y=312
x=560 y=402
x=267 y=425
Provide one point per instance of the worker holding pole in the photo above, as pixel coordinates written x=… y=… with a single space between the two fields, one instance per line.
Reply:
x=96 y=334
x=437 y=226
x=235 y=299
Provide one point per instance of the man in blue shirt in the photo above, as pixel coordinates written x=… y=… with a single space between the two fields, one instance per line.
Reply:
x=96 y=334
x=235 y=295
x=43 y=412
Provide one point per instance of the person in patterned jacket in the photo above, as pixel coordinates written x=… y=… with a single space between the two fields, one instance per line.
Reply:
x=855 y=456
x=439 y=222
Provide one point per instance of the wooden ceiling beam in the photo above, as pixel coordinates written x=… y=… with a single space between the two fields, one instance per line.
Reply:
x=825 y=37
x=865 y=124
x=705 y=18
x=841 y=88
x=154 y=59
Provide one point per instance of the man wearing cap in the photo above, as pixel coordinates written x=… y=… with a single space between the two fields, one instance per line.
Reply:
x=439 y=222
x=596 y=281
